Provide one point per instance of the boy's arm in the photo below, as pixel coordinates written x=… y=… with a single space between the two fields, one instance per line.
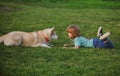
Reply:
x=77 y=47
x=68 y=45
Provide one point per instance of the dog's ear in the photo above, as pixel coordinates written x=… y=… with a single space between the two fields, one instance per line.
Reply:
x=52 y=28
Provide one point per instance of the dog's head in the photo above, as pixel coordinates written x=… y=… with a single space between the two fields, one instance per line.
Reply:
x=50 y=34
x=53 y=34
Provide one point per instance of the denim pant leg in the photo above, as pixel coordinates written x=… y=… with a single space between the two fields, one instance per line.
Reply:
x=100 y=43
x=109 y=44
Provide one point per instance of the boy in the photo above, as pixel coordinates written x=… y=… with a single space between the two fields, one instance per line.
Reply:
x=79 y=41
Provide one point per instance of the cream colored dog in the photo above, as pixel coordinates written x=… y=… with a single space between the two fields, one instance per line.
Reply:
x=33 y=39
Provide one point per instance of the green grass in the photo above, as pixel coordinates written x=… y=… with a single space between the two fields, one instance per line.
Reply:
x=36 y=15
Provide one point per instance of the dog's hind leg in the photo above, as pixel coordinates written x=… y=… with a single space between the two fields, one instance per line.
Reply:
x=13 y=41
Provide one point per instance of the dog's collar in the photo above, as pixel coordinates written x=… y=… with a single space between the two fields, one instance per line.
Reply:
x=46 y=39
x=36 y=37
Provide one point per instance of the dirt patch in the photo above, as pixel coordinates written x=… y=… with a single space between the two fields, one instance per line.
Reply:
x=7 y=9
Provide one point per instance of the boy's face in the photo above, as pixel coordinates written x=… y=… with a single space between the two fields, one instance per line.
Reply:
x=70 y=35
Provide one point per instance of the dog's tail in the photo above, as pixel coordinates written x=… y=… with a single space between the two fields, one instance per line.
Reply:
x=2 y=38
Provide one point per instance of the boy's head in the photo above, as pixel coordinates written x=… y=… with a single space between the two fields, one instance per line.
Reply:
x=73 y=31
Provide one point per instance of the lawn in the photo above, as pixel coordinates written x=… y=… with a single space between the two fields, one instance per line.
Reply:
x=33 y=15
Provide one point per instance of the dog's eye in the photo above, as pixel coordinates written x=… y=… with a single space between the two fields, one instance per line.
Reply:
x=52 y=32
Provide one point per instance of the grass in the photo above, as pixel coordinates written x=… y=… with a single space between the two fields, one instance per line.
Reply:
x=36 y=15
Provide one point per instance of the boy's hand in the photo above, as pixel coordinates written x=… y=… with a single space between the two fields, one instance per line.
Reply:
x=67 y=45
x=70 y=48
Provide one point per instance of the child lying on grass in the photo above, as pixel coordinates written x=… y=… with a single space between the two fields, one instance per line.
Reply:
x=79 y=41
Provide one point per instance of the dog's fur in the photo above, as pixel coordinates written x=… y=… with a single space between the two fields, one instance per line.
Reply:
x=34 y=39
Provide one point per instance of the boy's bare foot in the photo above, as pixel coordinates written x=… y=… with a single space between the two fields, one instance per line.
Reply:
x=104 y=36
x=100 y=32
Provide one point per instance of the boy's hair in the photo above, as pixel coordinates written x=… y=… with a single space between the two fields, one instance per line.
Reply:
x=74 y=30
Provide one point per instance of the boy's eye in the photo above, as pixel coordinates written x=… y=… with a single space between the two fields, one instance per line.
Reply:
x=69 y=32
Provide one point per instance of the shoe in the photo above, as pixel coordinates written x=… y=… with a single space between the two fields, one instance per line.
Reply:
x=104 y=36
x=100 y=32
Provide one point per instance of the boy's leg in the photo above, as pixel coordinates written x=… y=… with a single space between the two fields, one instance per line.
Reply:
x=100 y=32
x=100 y=43
x=104 y=37
x=109 y=44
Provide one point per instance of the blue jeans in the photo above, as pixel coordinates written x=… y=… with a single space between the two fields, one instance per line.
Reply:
x=100 y=43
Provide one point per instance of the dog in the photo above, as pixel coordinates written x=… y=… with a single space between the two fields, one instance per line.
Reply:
x=39 y=38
